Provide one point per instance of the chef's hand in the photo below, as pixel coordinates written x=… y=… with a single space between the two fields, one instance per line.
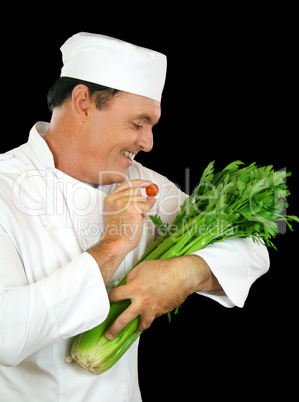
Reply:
x=125 y=211
x=156 y=287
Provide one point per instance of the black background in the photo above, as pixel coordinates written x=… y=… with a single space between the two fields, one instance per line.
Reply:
x=230 y=94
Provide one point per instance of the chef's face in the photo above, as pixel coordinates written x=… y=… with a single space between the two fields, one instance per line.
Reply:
x=117 y=133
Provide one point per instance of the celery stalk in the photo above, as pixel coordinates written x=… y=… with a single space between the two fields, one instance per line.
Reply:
x=235 y=202
x=96 y=353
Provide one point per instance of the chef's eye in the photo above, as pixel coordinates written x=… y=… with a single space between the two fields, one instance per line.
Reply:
x=138 y=126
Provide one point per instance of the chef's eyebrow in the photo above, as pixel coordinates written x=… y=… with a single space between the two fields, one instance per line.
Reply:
x=147 y=118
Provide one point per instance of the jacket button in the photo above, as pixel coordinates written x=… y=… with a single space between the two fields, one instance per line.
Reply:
x=68 y=359
x=48 y=226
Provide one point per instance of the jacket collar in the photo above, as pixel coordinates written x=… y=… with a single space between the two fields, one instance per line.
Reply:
x=39 y=145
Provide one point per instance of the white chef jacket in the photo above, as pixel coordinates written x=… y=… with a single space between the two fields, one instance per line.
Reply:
x=51 y=289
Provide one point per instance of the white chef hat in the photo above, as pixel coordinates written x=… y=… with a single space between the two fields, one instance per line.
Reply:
x=115 y=64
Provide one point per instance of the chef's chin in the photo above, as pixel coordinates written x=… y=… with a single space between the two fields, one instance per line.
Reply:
x=112 y=176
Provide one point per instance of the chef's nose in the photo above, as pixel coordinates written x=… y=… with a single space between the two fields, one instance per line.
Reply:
x=145 y=139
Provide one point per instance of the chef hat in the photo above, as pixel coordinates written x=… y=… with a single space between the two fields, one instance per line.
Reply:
x=115 y=64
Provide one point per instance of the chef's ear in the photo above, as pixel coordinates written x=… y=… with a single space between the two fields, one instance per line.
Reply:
x=81 y=102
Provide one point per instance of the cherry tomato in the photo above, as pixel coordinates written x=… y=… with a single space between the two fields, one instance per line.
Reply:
x=152 y=190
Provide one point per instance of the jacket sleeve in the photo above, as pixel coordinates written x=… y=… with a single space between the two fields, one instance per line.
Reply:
x=236 y=263
x=71 y=300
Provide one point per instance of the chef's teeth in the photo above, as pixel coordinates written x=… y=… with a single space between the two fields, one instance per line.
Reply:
x=128 y=154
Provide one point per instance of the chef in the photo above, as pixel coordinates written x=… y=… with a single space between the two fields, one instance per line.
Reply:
x=74 y=219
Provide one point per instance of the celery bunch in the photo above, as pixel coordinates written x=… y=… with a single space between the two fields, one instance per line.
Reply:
x=236 y=202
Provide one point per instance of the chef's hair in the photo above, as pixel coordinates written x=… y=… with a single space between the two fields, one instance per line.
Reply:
x=62 y=90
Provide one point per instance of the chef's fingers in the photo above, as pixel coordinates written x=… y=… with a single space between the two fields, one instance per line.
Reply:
x=131 y=184
x=121 y=322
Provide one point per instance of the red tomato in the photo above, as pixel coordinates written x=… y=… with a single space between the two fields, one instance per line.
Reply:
x=152 y=190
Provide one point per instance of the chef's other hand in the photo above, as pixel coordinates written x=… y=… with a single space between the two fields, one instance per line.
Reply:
x=154 y=288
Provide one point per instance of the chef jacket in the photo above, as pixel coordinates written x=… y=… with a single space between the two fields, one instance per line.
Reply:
x=51 y=289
